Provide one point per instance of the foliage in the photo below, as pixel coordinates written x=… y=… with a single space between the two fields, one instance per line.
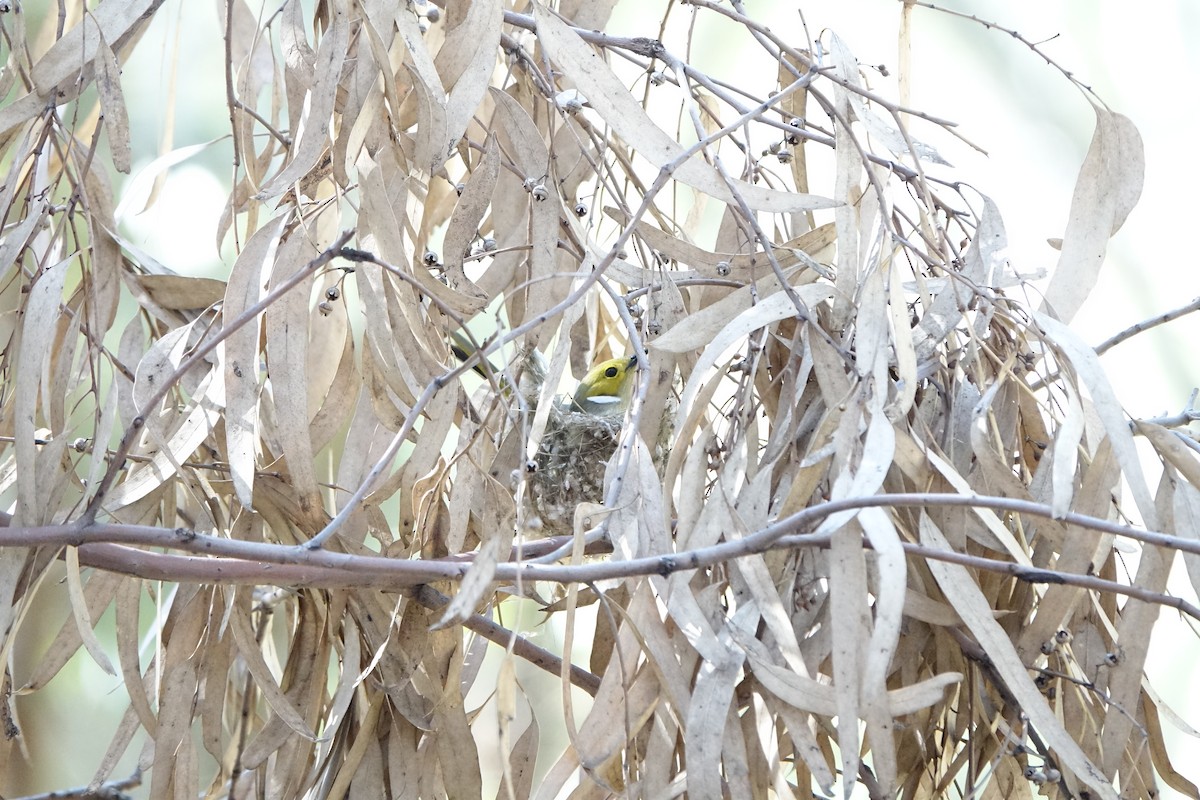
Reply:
x=859 y=525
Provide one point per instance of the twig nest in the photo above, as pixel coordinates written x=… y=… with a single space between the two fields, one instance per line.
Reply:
x=570 y=466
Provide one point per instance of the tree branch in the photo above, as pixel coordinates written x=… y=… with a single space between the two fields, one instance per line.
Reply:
x=235 y=561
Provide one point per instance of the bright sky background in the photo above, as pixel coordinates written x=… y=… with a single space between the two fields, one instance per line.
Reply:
x=1141 y=59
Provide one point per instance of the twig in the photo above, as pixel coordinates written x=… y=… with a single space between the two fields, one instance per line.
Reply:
x=792 y=52
x=1047 y=576
x=1014 y=34
x=359 y=570
x=112 y=790
x=239 y=571
x=521 y=646
x=1145 y=325
x=1188 y=415
x=230 y=96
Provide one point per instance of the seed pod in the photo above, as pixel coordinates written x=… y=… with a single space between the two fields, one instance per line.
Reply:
x=794 y=138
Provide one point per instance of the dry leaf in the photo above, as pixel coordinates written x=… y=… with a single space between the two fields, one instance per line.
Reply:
x=855 y=530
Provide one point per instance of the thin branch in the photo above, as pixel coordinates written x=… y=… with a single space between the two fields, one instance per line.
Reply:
x=1145 y=325
x=238 y=571
x=360 y=570
x=1070 y=76
x=521 y=646
x=801 y=58
x=230 y=95
x=1188 y=415
x=111 y=790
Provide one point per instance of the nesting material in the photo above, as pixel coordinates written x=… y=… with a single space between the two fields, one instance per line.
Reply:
x=570 y=466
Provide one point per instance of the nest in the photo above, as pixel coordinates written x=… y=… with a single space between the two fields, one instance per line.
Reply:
x=570 y=466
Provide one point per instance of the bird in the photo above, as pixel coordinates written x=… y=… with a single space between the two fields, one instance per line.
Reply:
x=581 y=434
x=606 y=388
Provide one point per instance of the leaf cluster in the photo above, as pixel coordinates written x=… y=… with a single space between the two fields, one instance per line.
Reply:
x=858 y=526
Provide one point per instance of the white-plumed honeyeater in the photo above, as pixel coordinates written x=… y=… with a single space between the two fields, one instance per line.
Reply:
x=581 y=434
x=607 y=387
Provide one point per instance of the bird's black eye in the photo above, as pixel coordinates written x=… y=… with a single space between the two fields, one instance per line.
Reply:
x=611 y=372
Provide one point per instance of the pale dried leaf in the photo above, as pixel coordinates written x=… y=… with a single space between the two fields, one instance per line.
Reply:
x=313 y=128
x=1123 y=680
x=240 y=358
x=287 y=334
x=889 y=591
x=79 y=611
x=112 y=102
x=850 y=627
x=719 y=333
x=1109 y=185
x=36 y=345
x=429 y=95
x=522 y=760
x=463 y=227
x=1086 y=363
x=265 y=682
x=466 y=61
x=1065 y=455
x=80 y=46
x=497 y=518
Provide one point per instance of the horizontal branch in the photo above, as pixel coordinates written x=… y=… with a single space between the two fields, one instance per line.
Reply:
x=193 y=569
x=237 y=561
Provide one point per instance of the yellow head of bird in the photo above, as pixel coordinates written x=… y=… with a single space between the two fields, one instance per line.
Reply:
x=607 y=387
